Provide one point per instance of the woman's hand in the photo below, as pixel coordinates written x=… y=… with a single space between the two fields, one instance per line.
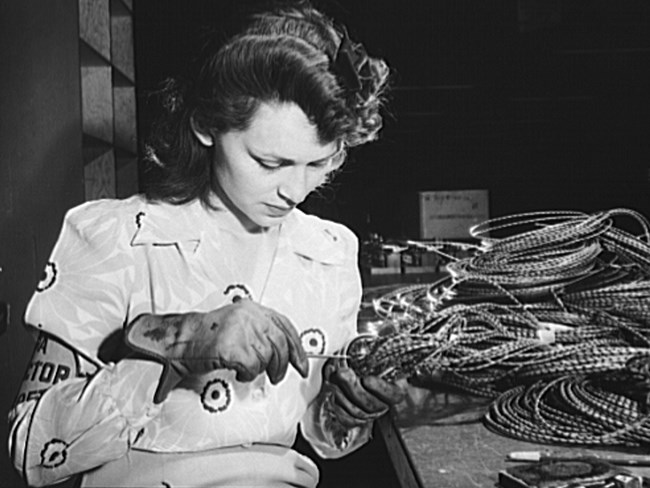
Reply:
x=358 y=400
x=243 y=336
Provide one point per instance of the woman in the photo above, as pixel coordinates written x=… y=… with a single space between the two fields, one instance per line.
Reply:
x=185 y=335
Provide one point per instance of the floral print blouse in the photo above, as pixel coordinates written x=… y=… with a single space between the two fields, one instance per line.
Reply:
x=116 y=259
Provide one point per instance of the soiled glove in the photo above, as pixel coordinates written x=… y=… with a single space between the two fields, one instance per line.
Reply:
x=243 y=336
x=358 y=400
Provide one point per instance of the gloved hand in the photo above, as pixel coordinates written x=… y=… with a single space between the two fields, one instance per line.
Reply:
x=358 y=400
x=244 y=336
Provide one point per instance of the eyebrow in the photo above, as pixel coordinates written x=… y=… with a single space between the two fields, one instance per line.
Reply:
x=271 y=156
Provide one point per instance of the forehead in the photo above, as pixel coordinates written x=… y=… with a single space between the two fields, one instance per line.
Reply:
x=283 y=130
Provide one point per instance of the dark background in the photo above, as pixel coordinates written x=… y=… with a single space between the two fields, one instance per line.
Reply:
x=545 y=103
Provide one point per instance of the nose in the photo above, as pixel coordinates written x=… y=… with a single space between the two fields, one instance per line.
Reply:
x=295 y=186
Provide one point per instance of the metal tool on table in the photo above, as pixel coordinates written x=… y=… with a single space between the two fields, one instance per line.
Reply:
x=549 y=469
x=619 y=459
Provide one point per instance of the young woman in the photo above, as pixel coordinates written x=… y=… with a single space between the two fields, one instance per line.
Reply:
x=184 y=335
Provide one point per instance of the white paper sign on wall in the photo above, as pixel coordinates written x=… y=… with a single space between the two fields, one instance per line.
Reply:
x=450 y=214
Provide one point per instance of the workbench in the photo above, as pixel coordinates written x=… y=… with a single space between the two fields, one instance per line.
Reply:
x=436 y=439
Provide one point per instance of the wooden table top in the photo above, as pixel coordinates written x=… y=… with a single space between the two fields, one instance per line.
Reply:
x=445 y=444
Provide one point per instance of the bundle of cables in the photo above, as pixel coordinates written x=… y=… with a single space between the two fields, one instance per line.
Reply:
x=546 y=317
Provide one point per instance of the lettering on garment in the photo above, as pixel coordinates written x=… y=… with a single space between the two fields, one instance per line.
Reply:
x=30 y=395
x=42 y=372
x=47 y=373
x=41 y=344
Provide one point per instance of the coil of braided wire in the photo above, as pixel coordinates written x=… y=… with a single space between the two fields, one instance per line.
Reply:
x=548 y=299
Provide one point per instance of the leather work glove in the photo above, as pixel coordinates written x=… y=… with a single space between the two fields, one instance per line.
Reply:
x=358 y=400
x=243 y=336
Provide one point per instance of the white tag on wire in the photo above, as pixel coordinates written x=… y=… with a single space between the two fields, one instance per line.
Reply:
x=546 y=332
x=546 y=336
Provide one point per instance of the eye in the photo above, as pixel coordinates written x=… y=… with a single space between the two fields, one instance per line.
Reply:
x=331 y=162
x=320 y=164
x=268 y=164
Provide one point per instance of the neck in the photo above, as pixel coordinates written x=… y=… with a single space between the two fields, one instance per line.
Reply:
x=236 y=220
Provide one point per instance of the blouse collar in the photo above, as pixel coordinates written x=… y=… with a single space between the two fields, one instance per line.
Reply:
x=184 y=225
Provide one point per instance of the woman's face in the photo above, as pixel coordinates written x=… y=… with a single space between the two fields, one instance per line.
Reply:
x=266 y=170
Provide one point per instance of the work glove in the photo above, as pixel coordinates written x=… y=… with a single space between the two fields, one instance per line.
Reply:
x=243 y=336
x=356 y=400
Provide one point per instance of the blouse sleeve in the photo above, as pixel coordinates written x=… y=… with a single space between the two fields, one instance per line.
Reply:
x=74 y=411
x=84 y=293
x=327 y=437
x=80 y=423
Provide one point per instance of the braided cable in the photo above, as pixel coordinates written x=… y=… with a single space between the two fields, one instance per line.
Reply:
x=547 y=303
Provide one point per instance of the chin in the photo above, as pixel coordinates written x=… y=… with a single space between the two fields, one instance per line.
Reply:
x=264 y=222
x=271 y=221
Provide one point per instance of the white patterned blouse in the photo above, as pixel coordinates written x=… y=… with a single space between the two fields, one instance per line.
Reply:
x=116 y=259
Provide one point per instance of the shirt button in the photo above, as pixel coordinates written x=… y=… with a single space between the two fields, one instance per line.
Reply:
x=258 y=394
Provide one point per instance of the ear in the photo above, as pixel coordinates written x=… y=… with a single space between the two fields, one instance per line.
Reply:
x=203 y=137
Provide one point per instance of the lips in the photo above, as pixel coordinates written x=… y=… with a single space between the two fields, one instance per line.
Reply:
x=276 y=211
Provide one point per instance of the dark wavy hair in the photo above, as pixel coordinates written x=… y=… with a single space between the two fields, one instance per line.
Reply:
x=293 y=54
